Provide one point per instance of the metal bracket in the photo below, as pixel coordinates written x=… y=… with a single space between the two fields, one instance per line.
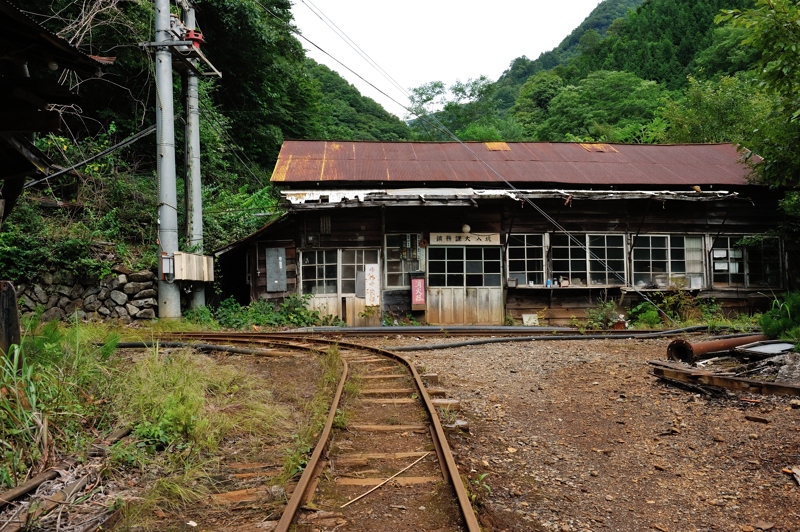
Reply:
x=185 y=55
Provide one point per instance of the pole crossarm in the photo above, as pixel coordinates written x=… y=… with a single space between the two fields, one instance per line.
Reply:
x=185 y=51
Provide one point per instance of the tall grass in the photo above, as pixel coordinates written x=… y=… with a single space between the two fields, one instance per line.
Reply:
x=52 y=396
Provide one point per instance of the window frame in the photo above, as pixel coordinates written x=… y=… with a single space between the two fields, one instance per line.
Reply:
x=671 y=259
x=340 y=265
x=461 y=266
x=403 y=262
x=746 y=262
x=526 y=273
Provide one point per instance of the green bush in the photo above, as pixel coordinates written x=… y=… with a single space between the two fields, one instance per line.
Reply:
x=291 y=312
x=645 y=314
x=783 y=319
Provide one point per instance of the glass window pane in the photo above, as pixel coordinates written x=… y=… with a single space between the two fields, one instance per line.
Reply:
x=330 y=271
x=436 y=280
x=474 y=280
x=491 y=279
x=535 y=265
x=330 y=256
x=659 y=242
x=491 y=267
x=371 y=256
x=348 y=272
x=348 y=287
x=436 y=253
x=455 y=253
x=474 y=266
x=516 y=253
x=659 y=254
x=395 y=240
x=330 y=287
x=616 y=253
x=308 y=287
x=491 y=253
x=559 y=240
x=474 y=254
x=309 y=273
x=560 y=253
x=455 y=266
x=535 y=240
x=393 y=266
x=455 y=280
x=348 y=256
x=616 y=241
x=394 y=279
x=516 y=240
x=437 y=266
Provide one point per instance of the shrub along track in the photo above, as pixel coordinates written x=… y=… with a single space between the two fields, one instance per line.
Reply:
x=391 y=428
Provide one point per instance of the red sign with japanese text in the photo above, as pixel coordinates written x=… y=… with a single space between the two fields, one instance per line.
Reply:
x=418 y=294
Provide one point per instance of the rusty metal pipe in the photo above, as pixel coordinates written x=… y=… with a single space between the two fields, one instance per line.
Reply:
x=688 y=352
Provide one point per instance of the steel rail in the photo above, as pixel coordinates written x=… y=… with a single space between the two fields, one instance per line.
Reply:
x=308 y=473
x=438 y=434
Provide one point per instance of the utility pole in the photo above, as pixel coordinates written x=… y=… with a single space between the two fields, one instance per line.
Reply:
x=194 y=196
x=169 y=296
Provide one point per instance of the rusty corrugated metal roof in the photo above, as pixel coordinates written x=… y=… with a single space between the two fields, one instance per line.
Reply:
x=349 y=162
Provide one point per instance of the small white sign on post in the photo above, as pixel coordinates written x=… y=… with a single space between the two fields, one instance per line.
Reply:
x=372 y=284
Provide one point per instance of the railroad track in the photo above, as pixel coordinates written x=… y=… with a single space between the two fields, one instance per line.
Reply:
x=393 y=444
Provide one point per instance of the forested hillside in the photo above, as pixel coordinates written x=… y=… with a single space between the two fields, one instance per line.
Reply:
x=269 y=91
x=595 y=25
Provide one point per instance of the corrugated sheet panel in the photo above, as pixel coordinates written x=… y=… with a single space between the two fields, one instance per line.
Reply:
x=522 y=162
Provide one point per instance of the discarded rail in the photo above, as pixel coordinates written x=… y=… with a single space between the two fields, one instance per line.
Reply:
x=675 y=372
x=352 y=353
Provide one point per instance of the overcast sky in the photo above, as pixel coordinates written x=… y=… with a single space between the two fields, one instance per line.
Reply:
x=417 y=41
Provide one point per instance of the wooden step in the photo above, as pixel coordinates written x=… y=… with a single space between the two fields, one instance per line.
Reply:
x=363 y=458
x=399 y=401
x=402 y=481
x=447 y=404
x=384 y=391
x=384 y=376
x=387 y=428
x=436 y=392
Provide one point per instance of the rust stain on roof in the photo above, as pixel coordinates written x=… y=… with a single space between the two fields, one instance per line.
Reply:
x=573 y=164
x=602 y=148
x=497 y=146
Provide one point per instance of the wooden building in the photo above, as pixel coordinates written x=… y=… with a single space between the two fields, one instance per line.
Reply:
x=474 y=233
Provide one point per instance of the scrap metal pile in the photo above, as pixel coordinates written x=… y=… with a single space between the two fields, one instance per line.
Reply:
x=740 y=363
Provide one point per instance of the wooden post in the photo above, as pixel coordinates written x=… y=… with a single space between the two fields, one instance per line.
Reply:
x=9 y=317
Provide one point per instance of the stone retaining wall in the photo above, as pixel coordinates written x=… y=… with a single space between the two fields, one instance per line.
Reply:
x=122 y=295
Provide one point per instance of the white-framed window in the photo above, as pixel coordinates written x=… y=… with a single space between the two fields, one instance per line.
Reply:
x=660 y=261
x=754 y=265
x=602 y=264
x=526 y=259
x=464 y=266
x=320 y=270
x=353 y=261
x=606 y=259
x=403 y=255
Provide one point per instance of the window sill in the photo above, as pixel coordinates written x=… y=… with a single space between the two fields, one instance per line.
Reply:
x=570 y=287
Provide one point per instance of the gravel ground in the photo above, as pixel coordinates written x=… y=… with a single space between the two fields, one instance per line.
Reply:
x=578 y=436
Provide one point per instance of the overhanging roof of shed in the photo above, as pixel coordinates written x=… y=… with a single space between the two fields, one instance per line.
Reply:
x=20 y=32
x=573 y=164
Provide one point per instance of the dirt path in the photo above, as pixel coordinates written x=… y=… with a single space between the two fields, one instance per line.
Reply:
x=575 y=436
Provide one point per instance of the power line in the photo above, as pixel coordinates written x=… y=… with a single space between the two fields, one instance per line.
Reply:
x=442 y=128
x=130 y=140
x=232 y=145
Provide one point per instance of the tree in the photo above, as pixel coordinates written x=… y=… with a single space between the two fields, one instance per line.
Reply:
x=435 y=109
x=727 y=110
x=773 y=28
x=607 y=105
x=532 y=106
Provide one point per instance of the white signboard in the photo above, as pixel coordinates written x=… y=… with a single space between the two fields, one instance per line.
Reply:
x=465 y=239
x=372 y=285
